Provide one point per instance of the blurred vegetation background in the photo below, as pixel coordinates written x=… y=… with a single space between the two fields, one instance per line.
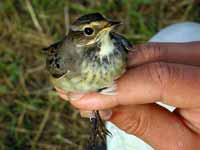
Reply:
x=32 y=116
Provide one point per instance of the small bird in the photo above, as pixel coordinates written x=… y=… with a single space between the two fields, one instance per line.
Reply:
x=89 y=59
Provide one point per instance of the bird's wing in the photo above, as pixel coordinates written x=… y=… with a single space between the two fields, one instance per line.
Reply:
x=62 y=59
x=52 y=48
x=54 y=61
x=121 y=40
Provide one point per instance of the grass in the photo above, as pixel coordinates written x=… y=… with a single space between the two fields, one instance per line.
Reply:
x=32 y=116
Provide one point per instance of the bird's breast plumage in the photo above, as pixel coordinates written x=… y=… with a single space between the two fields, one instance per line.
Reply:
x=96 y=71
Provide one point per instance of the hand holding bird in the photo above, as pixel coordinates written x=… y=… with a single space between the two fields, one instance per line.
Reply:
x=166 y=72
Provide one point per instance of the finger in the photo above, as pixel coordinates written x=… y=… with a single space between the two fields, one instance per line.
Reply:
x=87 y=113
x=174 y=84
x=60 y=90
x=183 y=53
x=63 y=96
x=95 y=101
x=105 y=114
x=156 y=126
x=75 y=96
x=191 y=118
x=69 y=95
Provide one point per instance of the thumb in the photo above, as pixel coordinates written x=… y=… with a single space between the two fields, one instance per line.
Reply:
x=156 y=126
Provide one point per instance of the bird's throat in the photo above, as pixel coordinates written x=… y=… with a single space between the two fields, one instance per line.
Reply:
x=106 y=45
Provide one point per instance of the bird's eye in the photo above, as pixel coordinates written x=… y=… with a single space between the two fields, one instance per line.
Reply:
x=88 y=31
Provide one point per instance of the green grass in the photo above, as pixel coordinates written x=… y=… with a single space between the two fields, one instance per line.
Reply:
x=32 y=116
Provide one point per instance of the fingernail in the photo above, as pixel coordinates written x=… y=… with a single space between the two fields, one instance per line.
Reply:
x=75 y=96
x=133 y=49
x=59 y=90
x=87 y=114
x=106 y=114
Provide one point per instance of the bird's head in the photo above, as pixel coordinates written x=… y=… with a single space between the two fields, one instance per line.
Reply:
x=90 y=29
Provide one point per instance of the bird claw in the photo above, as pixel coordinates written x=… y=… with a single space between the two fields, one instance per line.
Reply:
x=99 y=131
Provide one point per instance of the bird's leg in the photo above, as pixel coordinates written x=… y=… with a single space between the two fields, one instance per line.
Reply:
x=93 y=135
x=98 y=131
x=101 y=129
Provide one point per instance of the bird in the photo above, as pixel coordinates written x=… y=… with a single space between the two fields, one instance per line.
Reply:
x=90 y=58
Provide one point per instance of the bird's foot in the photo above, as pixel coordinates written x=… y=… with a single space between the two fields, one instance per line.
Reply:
x=98 y=133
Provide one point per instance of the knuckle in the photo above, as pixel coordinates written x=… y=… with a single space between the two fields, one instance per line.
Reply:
x=159 y=72
x=151 y=51
x=117 y=100
x=163 y=74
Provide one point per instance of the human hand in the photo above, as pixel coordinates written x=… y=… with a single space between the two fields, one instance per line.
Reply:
x=169 y=73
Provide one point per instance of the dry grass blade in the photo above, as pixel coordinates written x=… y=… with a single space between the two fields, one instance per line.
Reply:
x=41 y=128
x=67 y=22
x=33 y=16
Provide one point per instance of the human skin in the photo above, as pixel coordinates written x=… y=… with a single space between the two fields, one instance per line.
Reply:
x=165 y=72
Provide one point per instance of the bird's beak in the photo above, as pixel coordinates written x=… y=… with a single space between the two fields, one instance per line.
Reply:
x=114 y=23
x=111 y=25
x=107 y=29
